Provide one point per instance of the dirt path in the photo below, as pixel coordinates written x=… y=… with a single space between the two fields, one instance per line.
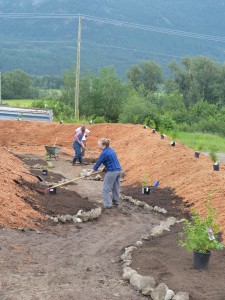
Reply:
x=73 y=262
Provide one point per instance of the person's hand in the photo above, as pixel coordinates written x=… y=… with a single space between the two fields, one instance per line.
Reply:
x=88 y=174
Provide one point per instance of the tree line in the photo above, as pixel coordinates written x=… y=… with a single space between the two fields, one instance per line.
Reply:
x=191 y=99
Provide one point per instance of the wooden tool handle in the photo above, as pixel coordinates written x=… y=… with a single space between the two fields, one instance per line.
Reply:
x=60 y=184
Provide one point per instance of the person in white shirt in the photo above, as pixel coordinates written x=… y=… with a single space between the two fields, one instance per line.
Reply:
x=87 y=132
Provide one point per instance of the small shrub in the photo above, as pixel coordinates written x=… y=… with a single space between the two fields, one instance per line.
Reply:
x=213 y=154
x=201 y=233
x=145 y=181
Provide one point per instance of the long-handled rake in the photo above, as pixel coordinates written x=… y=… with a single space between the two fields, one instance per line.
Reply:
x=45 y=191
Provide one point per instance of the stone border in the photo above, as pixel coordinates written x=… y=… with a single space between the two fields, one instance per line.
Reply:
x=143 y=204
x=146 y=285
x=81 y=216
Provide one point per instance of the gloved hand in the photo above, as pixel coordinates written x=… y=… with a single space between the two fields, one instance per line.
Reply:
x=88 y=174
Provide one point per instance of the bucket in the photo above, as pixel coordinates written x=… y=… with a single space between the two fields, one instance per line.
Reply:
x=145 y=190
x=201 y=260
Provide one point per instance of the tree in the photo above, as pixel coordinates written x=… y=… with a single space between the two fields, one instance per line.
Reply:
x=199 y=78
x=16 y=85
x=148 y=74
x=134 y=109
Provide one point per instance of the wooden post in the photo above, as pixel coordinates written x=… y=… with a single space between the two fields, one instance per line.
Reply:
x=78 y=72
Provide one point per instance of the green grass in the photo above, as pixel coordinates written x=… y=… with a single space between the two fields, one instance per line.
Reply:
x=207 y=141
x=18 y=102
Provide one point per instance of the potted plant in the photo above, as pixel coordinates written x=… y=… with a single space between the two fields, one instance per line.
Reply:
x=173 y=137
x=201 y=235
x=213 y=156
x=145 y=182
x=199 y=148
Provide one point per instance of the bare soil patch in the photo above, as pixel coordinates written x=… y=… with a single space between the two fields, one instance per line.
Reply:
x=66 y=261
x=167 y=262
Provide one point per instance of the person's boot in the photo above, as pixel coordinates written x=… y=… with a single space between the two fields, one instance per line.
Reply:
x=74 y=161
x=81 y=160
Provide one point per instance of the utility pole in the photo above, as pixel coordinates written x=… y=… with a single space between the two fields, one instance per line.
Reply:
x=78 y=72
x=0 y=88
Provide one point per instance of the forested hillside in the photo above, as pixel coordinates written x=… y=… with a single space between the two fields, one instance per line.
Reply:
x=46 y=44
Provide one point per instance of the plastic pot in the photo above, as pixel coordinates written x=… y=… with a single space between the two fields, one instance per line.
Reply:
x=216 y=166
x=45 y=172
x=145 y=190
x=52 y=190
x=197 y=153
x=201 y=260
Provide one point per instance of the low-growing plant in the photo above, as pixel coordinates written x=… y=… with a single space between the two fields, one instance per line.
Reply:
x=199 y=146
x=145 y=181
x=201 y=233
x=213 y=154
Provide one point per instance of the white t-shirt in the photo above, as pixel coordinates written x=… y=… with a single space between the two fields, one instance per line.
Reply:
x=87 y=131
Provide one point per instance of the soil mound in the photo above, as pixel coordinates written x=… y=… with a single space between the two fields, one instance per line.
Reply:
x=139 y=150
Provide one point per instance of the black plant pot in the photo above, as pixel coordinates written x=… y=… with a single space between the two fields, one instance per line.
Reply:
x=197 y=153
x=173 y=143
x=145 y=190
x=216 y=167
x=45 y=172
x=201 y=260
x=52 y=190
x=153 y=130
x=162 y=136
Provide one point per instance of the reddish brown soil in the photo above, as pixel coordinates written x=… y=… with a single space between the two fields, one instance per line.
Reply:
x=76 y=261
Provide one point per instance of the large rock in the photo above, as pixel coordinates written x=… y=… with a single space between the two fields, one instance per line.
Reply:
x=141 y=283
x=159 y=292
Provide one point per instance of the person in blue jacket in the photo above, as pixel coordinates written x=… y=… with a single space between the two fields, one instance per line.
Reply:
x=111 y=183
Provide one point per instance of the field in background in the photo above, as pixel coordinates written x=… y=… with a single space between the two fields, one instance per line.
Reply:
x=19 y=102
x=201 y=140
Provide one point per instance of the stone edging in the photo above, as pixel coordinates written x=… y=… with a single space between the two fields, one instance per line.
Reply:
x=144 y=205
x=81 y=216
x=146 y=285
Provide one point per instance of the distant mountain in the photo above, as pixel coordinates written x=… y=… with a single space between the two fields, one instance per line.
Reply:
x=159 y=30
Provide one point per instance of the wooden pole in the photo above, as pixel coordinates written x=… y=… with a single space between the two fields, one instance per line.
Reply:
x=78 y=72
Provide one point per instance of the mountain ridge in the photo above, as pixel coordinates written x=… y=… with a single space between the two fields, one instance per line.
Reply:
x=104 y=44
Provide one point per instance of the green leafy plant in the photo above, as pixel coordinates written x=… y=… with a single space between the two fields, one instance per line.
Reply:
x=201 y=233
x=145 y=181
x=199 y=147
x=213 y=154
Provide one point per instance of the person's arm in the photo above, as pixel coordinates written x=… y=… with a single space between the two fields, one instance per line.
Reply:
x=97 y=165
x=78 y=140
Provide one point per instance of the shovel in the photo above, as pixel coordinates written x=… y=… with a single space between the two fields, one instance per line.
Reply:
x=66 y=182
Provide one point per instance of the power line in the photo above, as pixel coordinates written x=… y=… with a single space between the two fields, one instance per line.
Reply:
x=130 y=49
x=117 y=23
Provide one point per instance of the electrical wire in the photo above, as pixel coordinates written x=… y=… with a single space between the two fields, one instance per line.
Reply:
x=117 y=23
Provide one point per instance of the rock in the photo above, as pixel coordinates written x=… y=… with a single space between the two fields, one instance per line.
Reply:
x=85 y=216
x=126 y=256
x=181 y=296
x=69 y=218
x=169 y=295
x=159 y=292
x=95 y=213
x=138 y=243
x=98 y=177
x=157 y=230
x=141 y=283
x=128 y=272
